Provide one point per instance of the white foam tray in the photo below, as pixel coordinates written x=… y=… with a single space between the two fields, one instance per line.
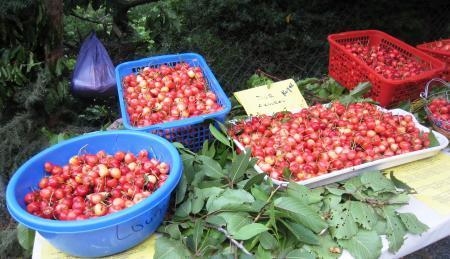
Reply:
x=339 y=175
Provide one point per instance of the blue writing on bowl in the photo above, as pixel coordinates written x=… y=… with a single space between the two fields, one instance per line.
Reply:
x=122 y=234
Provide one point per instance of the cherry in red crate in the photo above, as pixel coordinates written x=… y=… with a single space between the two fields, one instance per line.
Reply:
x=440 y=50
x=396 y=70
x=440 y=45
x=165 y=93
x=93 y=185
x=387 y=61
x=319 y=139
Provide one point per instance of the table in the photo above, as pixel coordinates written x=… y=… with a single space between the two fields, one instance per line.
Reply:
x=439 y=227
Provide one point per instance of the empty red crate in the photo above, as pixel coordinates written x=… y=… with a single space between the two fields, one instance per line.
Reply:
x=349 y=70
x=439 y=54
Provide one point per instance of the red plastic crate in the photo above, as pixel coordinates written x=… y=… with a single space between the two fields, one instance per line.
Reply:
x=349 y=70
x=439 y=54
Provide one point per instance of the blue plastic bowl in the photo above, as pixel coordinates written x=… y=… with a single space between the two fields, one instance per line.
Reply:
x=105 y=235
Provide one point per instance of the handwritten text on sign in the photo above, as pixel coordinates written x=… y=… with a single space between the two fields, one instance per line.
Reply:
x=268 y=99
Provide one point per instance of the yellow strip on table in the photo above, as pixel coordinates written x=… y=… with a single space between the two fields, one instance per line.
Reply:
x=145 y=250
x=430 y=178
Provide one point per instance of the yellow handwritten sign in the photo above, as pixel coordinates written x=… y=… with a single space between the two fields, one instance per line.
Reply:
x=431 y=179
x=268 y=99
x=144 y=250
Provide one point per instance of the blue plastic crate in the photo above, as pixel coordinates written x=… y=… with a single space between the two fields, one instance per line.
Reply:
x=191 y=132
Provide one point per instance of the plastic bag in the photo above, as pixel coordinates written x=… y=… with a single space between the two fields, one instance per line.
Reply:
x=94 y=74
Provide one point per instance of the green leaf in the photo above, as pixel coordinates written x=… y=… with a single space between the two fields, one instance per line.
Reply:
x=208 y=150
x=256 y=179
x=257 y=80
x=239 y=165
x=197 y=204
x=315 y=195
x=219 y=136
x=259 y=195
x=225 y=254
x=302 y=233
x=230 y=199
x=336 y=89
x=400 y=184
x=200 y=195
x=25 y=237
x=287 y=174
x=62 y=137
x=303 y=212
x=360 y=89
x=206 y=193
x=172 y=229
x=380 y=227
x=346 y=99
x=363 y=214
x=188 y=167
x=181 y=190
x=353 y=184
x=334 y=190
x=216 y=220
x=205 y=149
x=365 y=245
x=395 y=231
x=433 y=140
x=245 y=256
x=235 y=220
x=249 y=231
x=211 y=151
x=402 y=198
x=412 y=224
x=323 y=93
x=255 y=206
x=377 y=182
x=326 y=248
x=300 y=254
x=267 y=241
x=198 y=232
x=166 y=248
x=263 y=254
x=343 y=225
x=184 y=209
x=211 y=167
x=330 y=201
x=182 y=149
x=222 y=127
x=210 y=183
x=406 y=106
x=303 y=194
x=308 y=81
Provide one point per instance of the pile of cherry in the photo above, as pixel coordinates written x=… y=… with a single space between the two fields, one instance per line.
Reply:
x=165 y=93
x=318 y=140
x=93 y=185
x=388 y=62
x=443 y=46
x=440 y=108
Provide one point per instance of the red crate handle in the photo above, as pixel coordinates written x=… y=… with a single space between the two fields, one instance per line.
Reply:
x=424 y=95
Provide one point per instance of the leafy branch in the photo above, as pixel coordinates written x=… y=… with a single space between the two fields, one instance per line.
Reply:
x=223 y=207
